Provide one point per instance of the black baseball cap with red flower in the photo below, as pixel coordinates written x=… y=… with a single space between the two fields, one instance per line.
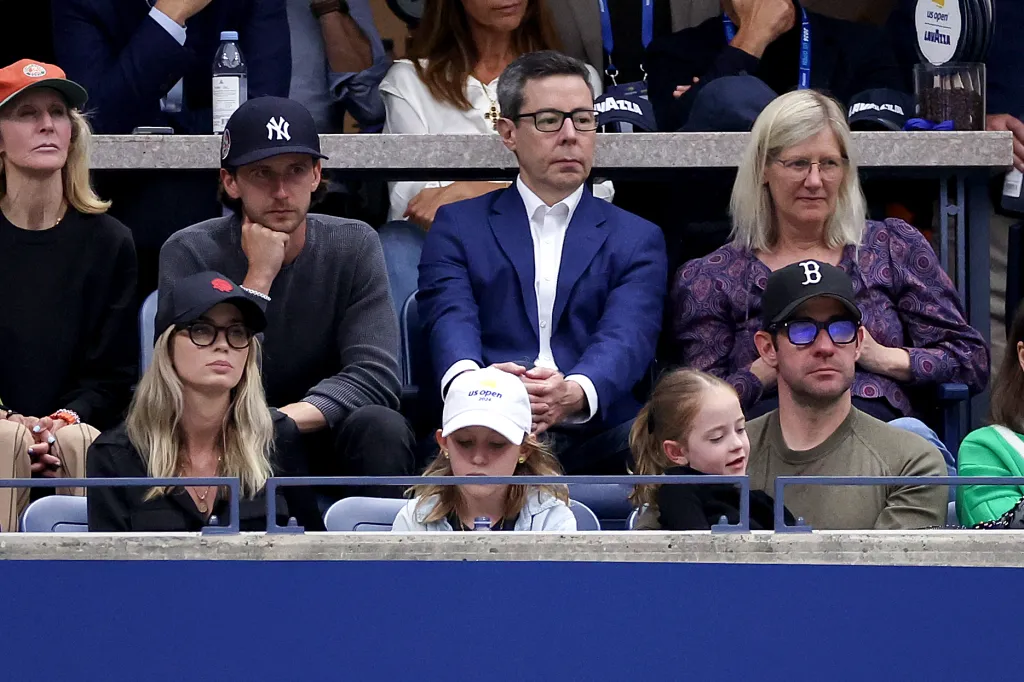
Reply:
x=186 y=299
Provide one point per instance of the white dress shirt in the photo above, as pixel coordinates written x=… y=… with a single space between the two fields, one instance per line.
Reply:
x=548 y=226
x=172 y=101
x=412 y=110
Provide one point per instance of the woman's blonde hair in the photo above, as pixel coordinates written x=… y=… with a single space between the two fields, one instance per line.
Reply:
x=540 y=461
x=787 y=121
x=154 y=422
x=78 y=191
x=668 y=415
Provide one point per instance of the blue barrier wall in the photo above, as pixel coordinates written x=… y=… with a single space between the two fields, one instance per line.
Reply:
x=228 y=620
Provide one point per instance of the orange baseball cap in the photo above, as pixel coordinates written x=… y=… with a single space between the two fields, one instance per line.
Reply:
x=26 y=74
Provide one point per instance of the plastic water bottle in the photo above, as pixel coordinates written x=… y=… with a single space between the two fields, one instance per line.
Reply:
x=1013 y=197
x=230 y=80
x=482 y=523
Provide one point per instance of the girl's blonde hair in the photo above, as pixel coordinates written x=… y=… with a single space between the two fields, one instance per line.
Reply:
x=154 y=422
x=787 y=121
x=668 y=415
x=540 y=461
x=78 y=191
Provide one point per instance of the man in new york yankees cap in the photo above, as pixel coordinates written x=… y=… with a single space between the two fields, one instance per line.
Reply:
x=331 y=342
x=811 y=335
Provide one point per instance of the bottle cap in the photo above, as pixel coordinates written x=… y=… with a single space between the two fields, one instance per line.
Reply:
x=229 y=35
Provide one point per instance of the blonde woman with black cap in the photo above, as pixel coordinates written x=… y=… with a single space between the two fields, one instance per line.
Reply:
x=199 y=411
x=486 y=432
x=68 y=341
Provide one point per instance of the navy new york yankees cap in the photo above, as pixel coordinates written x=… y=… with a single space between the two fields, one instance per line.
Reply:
x=790 y=287
x=265 y=127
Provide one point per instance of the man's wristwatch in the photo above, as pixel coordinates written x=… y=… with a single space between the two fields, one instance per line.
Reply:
x=322 y=7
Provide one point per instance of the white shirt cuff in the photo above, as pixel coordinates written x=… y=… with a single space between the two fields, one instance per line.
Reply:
x=455 y=370
x=176 y=30
x=588 y=390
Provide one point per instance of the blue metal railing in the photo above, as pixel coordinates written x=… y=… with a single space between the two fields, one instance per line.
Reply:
x=802 y=526
x=741 y=482
x=233 y=484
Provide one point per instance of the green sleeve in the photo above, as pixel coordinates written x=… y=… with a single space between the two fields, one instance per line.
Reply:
x=984 y=453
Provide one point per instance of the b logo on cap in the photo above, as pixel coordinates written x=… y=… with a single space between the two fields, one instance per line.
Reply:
x=34 y=71
x=279 y=126
x=225 y=145
x=222 y=285
x=812 y=272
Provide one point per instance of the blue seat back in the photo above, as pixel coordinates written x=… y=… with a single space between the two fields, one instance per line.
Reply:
x=147 y=329
x=363 y=514
x=609 y=502
x=56 y=514
x=585 y=518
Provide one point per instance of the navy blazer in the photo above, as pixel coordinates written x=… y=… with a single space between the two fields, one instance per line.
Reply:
x=477 y=299
x=127 y=61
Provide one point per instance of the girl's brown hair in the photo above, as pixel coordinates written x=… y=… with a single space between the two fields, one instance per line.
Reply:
x=444 y=41
x=668 y=415
x=540 y=461
x=1008 y=384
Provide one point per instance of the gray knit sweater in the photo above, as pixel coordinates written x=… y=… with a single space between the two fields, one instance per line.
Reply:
x=332 y=334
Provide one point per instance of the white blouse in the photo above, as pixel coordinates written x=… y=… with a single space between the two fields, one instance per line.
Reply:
x=412 y=110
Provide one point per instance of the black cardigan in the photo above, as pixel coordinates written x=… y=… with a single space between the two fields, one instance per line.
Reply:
x=112 y=455
x=698 y=507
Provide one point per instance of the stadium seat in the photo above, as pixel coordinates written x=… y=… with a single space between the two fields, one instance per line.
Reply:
x=585 y=518
x=401 y=242
x=375 y=514
x=951 y=519
x=56 y=514
x=633 y=517
x=609 y=502
x=147 y=326
x=363 y=514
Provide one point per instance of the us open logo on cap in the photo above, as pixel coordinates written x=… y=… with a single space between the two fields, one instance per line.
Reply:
x=225 y=145
x=222 y=285
x=34 y=71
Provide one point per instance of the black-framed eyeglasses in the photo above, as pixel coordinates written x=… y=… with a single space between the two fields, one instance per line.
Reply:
x=803 y=332
x=205 y=334
x=551 y=120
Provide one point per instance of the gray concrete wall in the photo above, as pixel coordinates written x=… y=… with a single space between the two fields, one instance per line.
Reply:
x=921 y=548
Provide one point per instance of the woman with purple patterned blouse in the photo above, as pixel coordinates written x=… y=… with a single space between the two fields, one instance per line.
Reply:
x=797 y=197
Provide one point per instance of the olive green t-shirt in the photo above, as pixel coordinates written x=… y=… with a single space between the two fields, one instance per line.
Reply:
x=861 y=446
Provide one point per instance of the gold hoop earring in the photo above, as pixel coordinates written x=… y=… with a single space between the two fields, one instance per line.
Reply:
x=522 y=460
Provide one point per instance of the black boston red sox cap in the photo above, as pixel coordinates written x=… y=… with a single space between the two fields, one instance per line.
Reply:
x=265 y=127
x=790 y=287
x=188 y=298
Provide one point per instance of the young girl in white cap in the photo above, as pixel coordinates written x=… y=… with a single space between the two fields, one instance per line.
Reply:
x=486 y=432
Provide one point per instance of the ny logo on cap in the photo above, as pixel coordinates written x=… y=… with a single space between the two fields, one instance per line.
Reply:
x=812 y=272
x=280 y=126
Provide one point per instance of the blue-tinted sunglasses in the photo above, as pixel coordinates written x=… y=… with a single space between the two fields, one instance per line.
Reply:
x=803 y=332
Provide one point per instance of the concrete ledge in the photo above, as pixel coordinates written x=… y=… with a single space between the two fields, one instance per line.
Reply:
x=396 y=153
x=875 y=548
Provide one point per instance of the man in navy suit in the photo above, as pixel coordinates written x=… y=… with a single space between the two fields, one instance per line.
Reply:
x=543 y=280
x=149 y=62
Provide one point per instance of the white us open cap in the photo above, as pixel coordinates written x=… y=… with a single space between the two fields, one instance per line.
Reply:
x=488 y=397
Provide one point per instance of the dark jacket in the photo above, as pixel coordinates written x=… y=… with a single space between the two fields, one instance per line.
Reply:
x=112 y=455
x=128 y=62
x=846 y=59
x=698 y=507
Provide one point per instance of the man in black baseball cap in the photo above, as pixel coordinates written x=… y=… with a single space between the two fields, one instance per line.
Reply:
x=331 y=338
x=811 y=337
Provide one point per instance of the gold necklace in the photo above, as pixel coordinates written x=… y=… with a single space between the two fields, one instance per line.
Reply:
x=492 y=115
x=201 y=503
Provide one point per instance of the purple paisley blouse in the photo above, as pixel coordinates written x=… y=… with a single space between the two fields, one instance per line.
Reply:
x=906 y=298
